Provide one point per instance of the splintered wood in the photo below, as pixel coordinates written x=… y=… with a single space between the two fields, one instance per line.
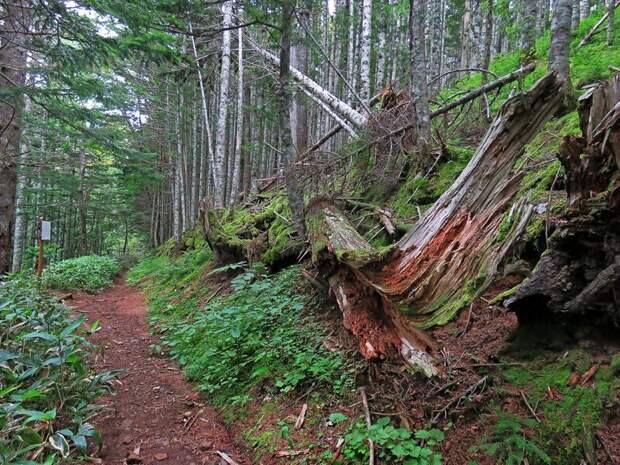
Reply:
x=453 y=243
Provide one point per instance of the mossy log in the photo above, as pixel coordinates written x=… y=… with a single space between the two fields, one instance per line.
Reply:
x=579 y=275
x=452 y=245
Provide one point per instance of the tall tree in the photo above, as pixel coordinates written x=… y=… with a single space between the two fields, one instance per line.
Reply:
x=294 y=193
x=611 y=8
x=16 y=22
x=219 y=168
x=365 y=50
x=418 y=85
x=559 y=51
x=528 y=31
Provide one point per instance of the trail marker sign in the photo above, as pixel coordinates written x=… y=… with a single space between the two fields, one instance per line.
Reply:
x=46 y=230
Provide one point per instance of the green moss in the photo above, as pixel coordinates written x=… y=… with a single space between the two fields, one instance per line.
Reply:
x=614 y=366
x=569 y=423
x=446 y=307
x=420 y=191
x=499 y=298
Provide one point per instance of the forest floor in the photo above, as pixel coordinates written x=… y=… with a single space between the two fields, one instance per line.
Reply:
x=154 y=416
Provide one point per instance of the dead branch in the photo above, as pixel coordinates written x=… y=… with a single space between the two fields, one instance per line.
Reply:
x=594 y=29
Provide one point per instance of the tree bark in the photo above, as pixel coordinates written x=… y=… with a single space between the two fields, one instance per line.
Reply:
x=528 y=32
x=559 y=51
x=219 y=168
x=365 y=46
x=578 y=278
x=611 y=8
x=419 y=87
x=293 y=190
x=234 y=189
x=13 y=60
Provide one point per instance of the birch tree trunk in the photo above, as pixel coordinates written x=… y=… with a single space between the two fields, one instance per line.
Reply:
x=380 y=68
x=234 y=187
x=350 y=45
x=584 y=9
x=219 y=168
x=342 y=109
x=365 y=51
x=559 y=51
x=16 y=22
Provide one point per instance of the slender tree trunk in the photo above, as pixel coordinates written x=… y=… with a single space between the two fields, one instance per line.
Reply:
x=574 y=14
x=559 y=51
x=584 y=9
x=295 y=196
x=488 y=39
x=234 y=188
x=611 y=7
x=528 y=32
x=365 y=50
x=83 y=199
x=350 y=46
x=465 y=36
x=380 y=73
x=419 y=88
x=195 y=165
x=219 y=169
x=13 y=60
x=20 y=215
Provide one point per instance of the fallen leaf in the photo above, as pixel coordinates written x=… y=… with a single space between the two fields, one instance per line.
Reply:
x=161 y=456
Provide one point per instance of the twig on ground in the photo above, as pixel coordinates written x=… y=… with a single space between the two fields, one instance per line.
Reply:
x=471 y=307
x=371 y=445
x=226 y=458
x=529 y=407
x=458 y=399
x=302 y=416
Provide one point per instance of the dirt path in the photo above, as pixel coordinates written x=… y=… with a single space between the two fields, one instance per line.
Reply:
x=154 y=417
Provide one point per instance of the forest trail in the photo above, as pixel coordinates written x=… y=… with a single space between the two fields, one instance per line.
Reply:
x=154 y=417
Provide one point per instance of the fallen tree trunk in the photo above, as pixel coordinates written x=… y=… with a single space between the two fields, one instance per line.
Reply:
x=452 y=245
x=579 y=275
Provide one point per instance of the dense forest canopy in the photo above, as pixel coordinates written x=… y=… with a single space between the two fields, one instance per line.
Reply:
x=124 y=115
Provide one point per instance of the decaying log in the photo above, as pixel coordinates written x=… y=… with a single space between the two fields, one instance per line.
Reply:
x=453 y=244
x=579 y=275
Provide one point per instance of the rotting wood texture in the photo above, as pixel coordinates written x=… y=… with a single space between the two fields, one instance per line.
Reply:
x=453 y=244
x=579 y=276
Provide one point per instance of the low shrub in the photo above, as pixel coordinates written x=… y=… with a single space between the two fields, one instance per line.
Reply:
x=91 y=273
x=46 y=388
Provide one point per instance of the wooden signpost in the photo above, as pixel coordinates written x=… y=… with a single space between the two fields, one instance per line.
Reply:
x=44 y=229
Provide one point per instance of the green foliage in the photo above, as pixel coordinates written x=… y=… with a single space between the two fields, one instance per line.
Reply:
x=510 y=444
x=46 y=387
x=258 y=335
x=91 y=273
x=394 y=445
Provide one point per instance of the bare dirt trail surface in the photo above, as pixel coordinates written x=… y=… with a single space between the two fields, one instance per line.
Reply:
x=154 y=417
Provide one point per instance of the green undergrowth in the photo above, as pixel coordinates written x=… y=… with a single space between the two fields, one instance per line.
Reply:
x=47 y=389
x=91 y=273
x=568 y=418
x=260 y=336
